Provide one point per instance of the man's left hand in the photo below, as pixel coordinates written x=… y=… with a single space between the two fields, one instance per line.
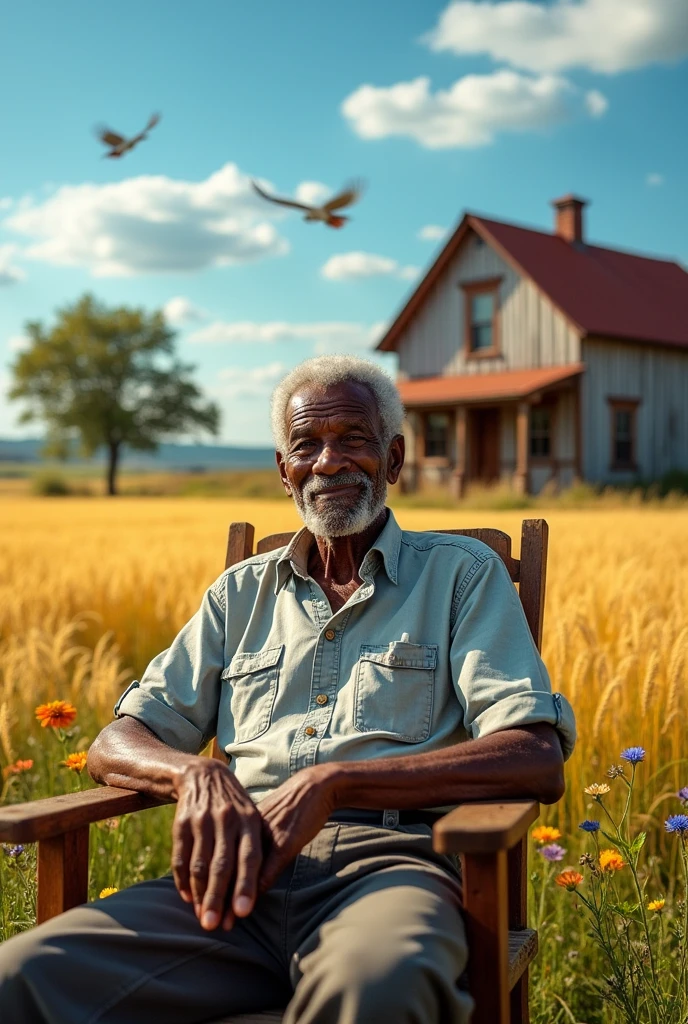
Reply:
x=293 y=815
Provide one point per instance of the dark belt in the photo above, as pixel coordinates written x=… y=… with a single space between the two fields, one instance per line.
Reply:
x=384 y=819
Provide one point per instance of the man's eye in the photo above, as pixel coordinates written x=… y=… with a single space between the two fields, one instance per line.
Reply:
x=355 y=439
x=302 y=446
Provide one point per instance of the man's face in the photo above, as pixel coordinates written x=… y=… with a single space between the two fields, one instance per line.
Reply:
x=336 y=466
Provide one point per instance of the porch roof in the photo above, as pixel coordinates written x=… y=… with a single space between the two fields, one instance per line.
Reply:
x=484 y=387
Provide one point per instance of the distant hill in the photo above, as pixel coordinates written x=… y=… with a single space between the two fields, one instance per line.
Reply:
x=198 y=457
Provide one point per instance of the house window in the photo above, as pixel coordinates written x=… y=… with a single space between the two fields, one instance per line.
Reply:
x=481 y=302
x=623 y=412
x=436 y=435
x=541 y=431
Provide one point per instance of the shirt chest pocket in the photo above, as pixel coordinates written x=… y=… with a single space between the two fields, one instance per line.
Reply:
x=253 y=679
x=394 y=690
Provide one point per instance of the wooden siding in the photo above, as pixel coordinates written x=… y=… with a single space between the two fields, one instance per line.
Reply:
x=659 y=378
x=532 y=332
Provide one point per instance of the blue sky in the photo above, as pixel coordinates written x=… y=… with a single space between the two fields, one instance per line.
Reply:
x=441 y=107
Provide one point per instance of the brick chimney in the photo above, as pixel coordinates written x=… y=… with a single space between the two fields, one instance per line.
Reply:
x=568 y=219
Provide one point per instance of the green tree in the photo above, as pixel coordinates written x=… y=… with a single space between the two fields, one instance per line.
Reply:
x=108 y=377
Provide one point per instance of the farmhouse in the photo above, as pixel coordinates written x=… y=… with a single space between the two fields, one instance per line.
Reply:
x=533 y=357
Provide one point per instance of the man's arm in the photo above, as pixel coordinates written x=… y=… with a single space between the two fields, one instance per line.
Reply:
x=217 y=846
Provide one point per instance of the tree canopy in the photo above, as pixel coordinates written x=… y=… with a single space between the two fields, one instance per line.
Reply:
x=108 y=376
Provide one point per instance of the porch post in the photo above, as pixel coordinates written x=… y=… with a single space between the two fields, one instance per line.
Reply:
x=459 y=479
x=415 y=452
x=522 y=431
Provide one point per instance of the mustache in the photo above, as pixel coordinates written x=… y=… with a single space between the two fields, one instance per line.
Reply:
x=315 y=486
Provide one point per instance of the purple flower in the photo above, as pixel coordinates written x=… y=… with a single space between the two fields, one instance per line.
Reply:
x=552 y=852
x=633 y=754
x=14 y=851
x=590 y=825
x=683 y=795
x=677 y=823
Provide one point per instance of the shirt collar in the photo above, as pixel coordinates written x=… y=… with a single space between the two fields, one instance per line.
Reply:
x=294 y=558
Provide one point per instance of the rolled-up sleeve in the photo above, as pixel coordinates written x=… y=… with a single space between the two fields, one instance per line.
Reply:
x=500 y=678
x=177 y=697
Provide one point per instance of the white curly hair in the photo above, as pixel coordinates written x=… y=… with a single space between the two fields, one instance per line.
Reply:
x=328 y=370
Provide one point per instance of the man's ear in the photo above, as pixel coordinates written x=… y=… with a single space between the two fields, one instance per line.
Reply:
x=395 y=458
x=283 y=472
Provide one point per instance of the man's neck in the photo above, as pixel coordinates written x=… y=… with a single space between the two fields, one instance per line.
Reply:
x=336 y=560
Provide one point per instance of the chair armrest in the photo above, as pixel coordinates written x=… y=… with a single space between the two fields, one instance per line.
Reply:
x=484 y=827
x=55 y=815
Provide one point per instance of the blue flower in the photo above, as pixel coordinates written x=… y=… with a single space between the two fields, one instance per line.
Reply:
x=590 y=825
x=677 y=823
x=683 y=795
x=552 y=852
x=13 y=851
x=633 y=754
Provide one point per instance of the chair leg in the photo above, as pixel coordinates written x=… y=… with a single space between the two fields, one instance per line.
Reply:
x=485 y=913
x=520 y=1013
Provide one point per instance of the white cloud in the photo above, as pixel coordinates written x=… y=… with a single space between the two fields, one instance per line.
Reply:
x=338 y=336
x=595 y=103
x=9 y=273
x=352 y=266
x=238 y=382
x=6 y=202
x=432 y=233
x=150 y=224
x=180 y=312
x=654 y=180
x=601 y=35
x=468 y=114
x=18 y=343
x=312 y=192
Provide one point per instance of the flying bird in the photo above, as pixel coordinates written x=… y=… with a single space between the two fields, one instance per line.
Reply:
x=118 y=144
x=324 y=213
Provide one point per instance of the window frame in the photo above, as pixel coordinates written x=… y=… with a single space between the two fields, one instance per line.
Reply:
x=436 y=459
x=623 y=404
x=470 y=289
x=550 y=408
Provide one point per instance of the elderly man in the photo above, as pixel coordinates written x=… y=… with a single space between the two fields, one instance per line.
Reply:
x=359 y=681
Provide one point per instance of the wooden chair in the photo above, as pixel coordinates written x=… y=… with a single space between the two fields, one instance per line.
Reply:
x=491 y=838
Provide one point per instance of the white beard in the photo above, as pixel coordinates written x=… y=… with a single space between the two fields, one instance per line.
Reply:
x=339 y=519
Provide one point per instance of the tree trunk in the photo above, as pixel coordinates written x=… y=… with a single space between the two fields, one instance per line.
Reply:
x=113 y=459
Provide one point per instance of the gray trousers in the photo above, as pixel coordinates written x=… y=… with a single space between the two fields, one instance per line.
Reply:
x=363 y=928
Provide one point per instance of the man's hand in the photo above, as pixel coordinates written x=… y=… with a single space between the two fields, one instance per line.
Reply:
x=292 y=815
x=216 y=849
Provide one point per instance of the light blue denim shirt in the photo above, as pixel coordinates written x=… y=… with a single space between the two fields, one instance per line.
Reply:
x=433 y=649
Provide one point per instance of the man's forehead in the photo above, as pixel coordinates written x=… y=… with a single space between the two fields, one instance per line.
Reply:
x=347 y=400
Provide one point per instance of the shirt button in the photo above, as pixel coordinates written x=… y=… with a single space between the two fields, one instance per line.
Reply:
x=309 y=730
x=330 y=634
x=321 y=698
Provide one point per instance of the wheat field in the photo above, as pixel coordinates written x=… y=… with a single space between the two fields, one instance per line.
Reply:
x=91 y=589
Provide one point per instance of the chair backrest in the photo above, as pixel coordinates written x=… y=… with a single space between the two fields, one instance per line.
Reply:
x=529 y=571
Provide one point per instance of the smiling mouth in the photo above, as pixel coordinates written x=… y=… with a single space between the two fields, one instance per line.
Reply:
x=337 y=491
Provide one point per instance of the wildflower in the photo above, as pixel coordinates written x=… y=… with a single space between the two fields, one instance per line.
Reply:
x=615 y=771
x=590 y=825
x=76 y=762
x=56 y=715
x=14 y=851
x=611 y=860
x=546 y=834
x=634 y=755
x=586 y=860
x=109 y=890
x=683 y=795
x=569 y=880
x=656 y=905
x=677 y=823
x=17 y=768
x=112 y=824
x=552 y=852
x=597 y=789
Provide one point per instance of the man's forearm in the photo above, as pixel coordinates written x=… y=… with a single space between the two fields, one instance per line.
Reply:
x=516 y=763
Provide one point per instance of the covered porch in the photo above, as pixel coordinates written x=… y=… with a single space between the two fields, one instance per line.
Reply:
x=522 y=427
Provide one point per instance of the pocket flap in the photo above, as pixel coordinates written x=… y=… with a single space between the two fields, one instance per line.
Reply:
x=244 y=663
x=401 y=655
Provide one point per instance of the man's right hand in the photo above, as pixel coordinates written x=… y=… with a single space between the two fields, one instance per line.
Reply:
x=217 y=846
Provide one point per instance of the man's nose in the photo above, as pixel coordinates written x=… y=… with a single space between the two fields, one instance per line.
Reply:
x=331 y=460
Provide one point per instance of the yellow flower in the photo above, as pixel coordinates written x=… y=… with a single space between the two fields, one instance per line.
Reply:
x=611 y=860
x=57 y=714
x=109 y=890
x=655 y=905
x=546 y=834
x=569 y=880
x=597 y=789
x=76 y=762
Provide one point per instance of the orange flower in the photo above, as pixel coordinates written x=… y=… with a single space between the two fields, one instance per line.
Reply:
x=56 y=715
x=76 y=762
x=611 y=860
x=569 y=880
x=546 y=834
x=17 y=768
x=656 y=905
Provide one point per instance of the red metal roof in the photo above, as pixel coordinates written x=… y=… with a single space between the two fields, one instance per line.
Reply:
x=483 y=387
x=602 y=291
